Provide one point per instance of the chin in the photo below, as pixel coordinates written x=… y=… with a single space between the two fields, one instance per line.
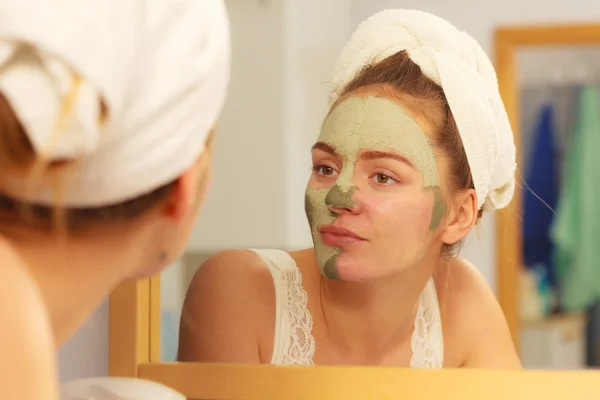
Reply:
x=354 y=269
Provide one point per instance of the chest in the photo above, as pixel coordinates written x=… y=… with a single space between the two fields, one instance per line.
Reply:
x=331 y=351
x=361 y=343
x=304 y=336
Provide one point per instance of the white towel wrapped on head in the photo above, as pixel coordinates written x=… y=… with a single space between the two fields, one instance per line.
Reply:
x=456 y=62
x=161 y=68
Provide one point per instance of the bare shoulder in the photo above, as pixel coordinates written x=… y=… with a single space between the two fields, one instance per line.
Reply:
x=464 y=295
x=229 y=310
x=233 y=265
x=474 y=323
x=462 y=282
x=27 y=346
x=233 y=274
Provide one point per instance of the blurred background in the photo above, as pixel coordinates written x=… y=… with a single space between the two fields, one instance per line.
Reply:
x=283 y=54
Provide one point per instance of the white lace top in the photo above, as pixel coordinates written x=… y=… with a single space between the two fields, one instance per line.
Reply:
x=294 y=343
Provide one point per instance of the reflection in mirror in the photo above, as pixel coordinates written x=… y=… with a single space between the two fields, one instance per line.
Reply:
x=174 y=284
x=557 y=332
x=389 y=202
x=560 y=117
x=237 y=317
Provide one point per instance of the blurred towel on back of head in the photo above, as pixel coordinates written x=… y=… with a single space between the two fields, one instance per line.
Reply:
x=160 y=69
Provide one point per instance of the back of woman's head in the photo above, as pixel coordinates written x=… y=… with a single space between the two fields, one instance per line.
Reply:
x=101 y=112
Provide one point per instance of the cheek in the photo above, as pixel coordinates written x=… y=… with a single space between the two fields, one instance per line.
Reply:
x=314 y=205
x=401 y=217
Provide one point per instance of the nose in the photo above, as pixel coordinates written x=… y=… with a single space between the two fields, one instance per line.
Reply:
x=339 y=200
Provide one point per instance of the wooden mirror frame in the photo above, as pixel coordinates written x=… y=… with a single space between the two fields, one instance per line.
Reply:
x=134 y=330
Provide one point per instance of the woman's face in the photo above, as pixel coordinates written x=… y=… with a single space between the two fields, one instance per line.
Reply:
x=373 y=201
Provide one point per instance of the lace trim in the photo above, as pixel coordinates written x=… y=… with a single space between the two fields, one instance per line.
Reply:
x=423 y=339
x=302 y=343
x=425 y=336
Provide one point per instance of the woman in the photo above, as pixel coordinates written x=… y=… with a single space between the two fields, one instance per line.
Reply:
x=414 y=145
x=105 y=158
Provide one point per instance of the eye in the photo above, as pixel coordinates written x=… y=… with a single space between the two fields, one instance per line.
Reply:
x=383 y=179
x=324 y=170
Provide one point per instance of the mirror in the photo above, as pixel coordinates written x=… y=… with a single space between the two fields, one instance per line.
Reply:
x=130 y=327
x=550 y=337
x=257 y=197
x=560 y=316
x=133 y=333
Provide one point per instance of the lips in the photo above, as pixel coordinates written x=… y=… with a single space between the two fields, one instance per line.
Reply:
x=338 y=236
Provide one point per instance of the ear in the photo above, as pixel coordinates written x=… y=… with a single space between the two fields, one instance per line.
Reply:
x=462 y=217
x=190 y=189
x=181 y=197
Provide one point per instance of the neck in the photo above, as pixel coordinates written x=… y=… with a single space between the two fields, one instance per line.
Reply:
x=370 y=317
x=73 y=280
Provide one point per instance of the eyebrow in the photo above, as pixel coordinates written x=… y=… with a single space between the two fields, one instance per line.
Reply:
x=375 y=154
x=366 y=154
x=324 y=147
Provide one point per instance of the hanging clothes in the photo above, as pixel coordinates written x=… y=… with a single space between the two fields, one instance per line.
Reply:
x=576 y=227
x=540 y=195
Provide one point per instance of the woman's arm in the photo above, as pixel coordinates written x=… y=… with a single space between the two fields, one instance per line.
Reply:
x=27 y=354
x=229 y=311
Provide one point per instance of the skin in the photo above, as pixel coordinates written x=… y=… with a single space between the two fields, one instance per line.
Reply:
x=220 y=325
x=367 y=318
x=356 y=125
x=27 y=344
x=41 y=278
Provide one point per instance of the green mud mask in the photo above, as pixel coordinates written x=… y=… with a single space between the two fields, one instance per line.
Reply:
x=363 y=123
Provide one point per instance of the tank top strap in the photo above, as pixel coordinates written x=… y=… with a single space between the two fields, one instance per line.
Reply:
x=427 y=341
x=293 y=342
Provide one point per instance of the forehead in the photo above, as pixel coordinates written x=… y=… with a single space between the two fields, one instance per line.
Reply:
x=371 y=122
